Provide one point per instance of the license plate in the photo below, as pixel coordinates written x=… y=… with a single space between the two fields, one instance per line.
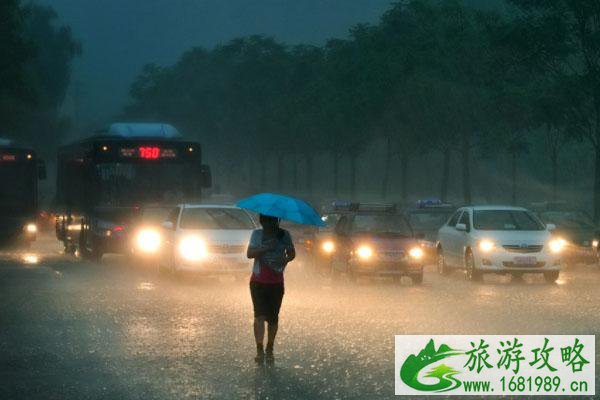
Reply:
x=525 y=260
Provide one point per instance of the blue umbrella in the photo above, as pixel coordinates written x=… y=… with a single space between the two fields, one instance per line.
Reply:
x=284 y=207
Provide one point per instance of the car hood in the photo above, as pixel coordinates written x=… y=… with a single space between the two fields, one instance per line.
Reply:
x=224 y=236
x=383 y=243
x=515 y=237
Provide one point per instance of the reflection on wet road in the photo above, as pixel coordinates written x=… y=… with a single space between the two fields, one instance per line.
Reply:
x=73 y=329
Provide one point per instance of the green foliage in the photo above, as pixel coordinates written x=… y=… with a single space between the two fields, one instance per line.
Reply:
x=35 y=71
x=431 y=76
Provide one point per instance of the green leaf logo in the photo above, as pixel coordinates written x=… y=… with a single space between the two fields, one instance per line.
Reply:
x=409 y=372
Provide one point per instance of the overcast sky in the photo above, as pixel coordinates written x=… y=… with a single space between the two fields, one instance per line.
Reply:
x=120 y=36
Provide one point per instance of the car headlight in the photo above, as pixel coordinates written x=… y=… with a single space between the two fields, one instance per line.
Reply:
x=595 y=243
x=328 y=247
x=364 y=252
x=192 y=248
x=148 y=240
x=31 y=228
x=486 y=245
x=416 y=253
x=557 y=245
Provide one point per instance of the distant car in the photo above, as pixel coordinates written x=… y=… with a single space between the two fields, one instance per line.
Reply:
x=499 y=239
x=427 y=218
x=578 y=229
x=376 y=240
x=207 y=239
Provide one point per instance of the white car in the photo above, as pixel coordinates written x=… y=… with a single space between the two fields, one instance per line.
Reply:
x=209 y=239
x=498 y=239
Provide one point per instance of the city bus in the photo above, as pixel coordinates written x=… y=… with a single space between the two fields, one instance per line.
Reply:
x=104 y=181
x=20 y=169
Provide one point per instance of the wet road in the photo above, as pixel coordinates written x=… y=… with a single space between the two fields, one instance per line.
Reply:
x=73 y=329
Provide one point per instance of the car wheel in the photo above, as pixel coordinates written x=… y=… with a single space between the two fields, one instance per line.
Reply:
x=442 y=268
x=551 y=276
x=88 y=248
x=473 y=274
x=417 y=279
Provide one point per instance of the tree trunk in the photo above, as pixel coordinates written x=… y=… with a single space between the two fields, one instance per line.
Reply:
x=353 y=177
x=554 y=161
x=597 y=186
x=404 y=175
x=280 y=171
x=466 y=167
x=513 y=176
x=336 y=173
x=263 y=173
x=295 y=173
x=309 y=174
x=386 y=168
x=445 y=175
x=252 y=178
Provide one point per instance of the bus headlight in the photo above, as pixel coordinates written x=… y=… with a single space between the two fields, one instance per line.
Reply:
x=192 y=248
x=328 y=247
x=486 y=245
x=557 y=245
x=148 y=240
x=31 y=228
x=416 y=253
x=364 y=252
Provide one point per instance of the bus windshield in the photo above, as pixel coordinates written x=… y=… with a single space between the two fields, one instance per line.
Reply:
x=18 y=187
x=129 y=184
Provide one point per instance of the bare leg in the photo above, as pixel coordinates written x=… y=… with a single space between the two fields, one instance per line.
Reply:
x=259 y=330
x=271 y=333
x=259 y=336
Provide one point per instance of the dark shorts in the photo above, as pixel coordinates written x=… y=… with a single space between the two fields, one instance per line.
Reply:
x=266 y=299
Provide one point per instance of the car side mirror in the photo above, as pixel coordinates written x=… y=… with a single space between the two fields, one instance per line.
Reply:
x=419 y=235
x=41 y=169
x=168 y=225
x=205 y=176
x=550 y=227
x=461 y=227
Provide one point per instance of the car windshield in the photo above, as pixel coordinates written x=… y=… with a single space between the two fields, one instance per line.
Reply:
x=393 y=224
x=506 y=220
x=568 y=219
x=155 y=215
x=428 y=221
x=331 y=221
x=215 y=218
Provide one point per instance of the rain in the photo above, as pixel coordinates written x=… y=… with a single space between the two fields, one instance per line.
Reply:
x=268 y=200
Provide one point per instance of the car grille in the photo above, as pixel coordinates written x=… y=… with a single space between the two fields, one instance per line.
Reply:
x=227 y=249
x=510 y=264
x=533 y=248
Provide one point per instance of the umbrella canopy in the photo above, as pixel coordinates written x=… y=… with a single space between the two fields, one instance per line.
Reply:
x=284 y=207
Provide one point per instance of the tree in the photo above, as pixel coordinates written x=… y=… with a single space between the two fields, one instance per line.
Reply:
x=564 y=41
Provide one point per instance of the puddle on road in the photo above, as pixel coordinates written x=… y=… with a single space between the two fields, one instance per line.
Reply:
x=30 y=259
x=146 y=286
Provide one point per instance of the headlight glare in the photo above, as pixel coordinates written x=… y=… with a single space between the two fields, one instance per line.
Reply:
x=148 y=240
x=557 y=245
x=192 y=248
x=328 y=247
x=31 y=228
x=416 y=253
x=486 y=245
x=364 y=252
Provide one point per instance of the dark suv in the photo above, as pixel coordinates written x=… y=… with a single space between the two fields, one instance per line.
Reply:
x=376 y=240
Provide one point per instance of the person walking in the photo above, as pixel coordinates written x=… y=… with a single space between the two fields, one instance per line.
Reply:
x=272 y=249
